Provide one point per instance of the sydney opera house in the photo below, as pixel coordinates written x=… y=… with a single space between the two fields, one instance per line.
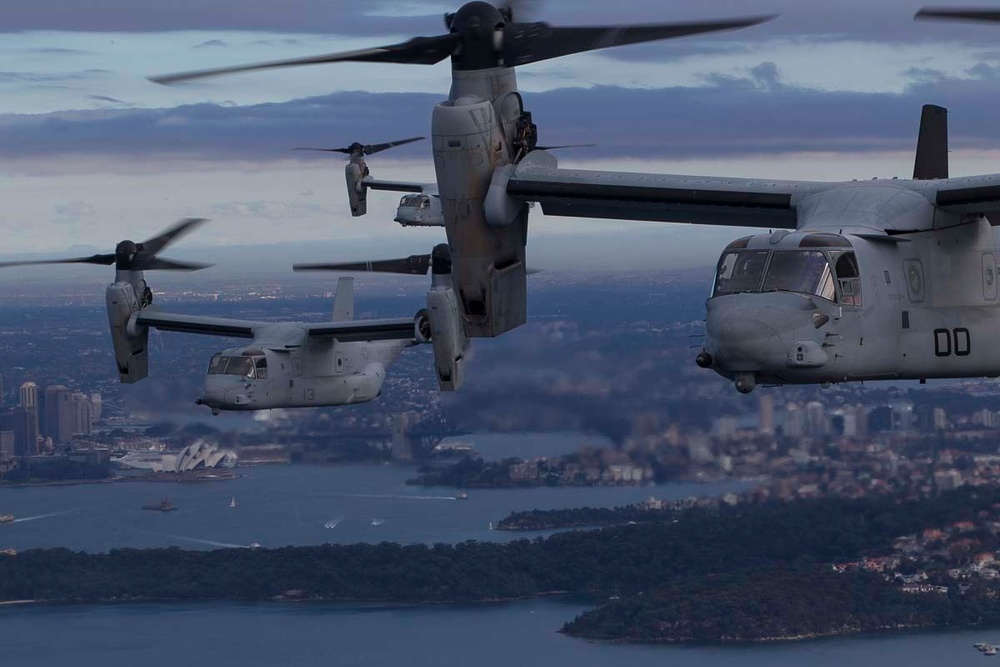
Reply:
x=197 y=456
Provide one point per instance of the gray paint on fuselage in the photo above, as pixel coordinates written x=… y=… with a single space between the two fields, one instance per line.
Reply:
x=936 y=323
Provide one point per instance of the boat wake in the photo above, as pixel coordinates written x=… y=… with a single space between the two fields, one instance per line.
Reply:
x=41 y=516
x=196 y=540
x=389 y=496
x=332 y=523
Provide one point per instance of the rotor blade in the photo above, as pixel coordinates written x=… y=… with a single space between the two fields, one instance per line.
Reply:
x=414 y=265
x=553 y=148
x=959 y=14
x=525 y=43
x=325 y=150
x=161 y=241
x=146 y=262
x=378 y=148
x=105 y=260
x=417 y=51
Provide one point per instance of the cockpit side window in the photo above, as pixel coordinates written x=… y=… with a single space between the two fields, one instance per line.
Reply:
x=805 y=271
x=217 y=365
x=739 y=271
x=848 y=279
x=260 y=364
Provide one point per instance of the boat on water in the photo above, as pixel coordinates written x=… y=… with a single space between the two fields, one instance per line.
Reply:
x=232 y=502
x=332 y=523
x=254 y=545
x=6 y=518
x=986 y=648
x=163 y=506
x=462 y=496
x=378 y=522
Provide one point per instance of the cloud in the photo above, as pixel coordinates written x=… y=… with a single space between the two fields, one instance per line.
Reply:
x=73 y=212
x=756 y=113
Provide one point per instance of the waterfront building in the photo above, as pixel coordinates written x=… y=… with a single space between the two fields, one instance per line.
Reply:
x=59 y=418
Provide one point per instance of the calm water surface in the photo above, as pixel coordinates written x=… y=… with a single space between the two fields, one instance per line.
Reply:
x=282 y=505
x=231 y=635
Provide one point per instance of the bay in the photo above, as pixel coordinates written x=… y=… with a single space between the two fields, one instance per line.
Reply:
x=523 y=633
x=286 y=505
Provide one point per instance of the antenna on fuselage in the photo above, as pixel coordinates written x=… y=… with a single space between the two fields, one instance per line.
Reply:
x=932 y=144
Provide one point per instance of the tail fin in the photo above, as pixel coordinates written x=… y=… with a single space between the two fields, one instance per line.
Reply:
x=343 y=301
x=932 y=144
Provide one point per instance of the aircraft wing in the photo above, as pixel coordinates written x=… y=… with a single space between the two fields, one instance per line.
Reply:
x=973 y=194
x=401 y=186
x=364 y=330
x=194 y=324
x=742 y=202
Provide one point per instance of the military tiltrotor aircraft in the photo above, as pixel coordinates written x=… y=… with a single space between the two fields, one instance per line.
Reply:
x=420 y=209
x=285 y=364
x=857 y=280
x=479 y=134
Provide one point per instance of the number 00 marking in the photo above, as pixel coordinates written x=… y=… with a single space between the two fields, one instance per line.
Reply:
x=953 y=341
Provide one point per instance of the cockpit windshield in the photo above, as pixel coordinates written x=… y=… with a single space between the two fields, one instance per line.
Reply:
x=806 y=271
x=803 y=271
x=245 y=366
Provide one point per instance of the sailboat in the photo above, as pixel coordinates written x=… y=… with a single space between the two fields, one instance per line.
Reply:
x=617 y=595
x=232 y=501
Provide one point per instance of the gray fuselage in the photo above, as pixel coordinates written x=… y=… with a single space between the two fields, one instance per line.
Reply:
x=325 y=373
x=840 y=300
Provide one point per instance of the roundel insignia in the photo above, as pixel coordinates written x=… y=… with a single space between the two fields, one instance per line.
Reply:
x=916 y=282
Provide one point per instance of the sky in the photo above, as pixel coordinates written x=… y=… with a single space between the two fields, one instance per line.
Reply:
x=92 y=152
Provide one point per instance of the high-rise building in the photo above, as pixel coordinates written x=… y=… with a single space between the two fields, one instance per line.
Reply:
x=816 y=421
x=861 y=420
x=23 y=422
x=795 y=421
x=766 y=414
x=59 y=421
x=29 y=395
x=940 y=419
x=402 y=449
x=82 y=414
x=6 y=445
x=96 y=405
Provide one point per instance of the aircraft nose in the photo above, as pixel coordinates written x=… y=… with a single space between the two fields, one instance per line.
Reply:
x=739 y=334
x=761 y=337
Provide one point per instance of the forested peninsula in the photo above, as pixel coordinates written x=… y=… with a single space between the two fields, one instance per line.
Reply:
x=743 y=573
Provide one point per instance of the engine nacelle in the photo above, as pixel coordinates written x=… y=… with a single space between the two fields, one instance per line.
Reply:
x=488 y=262
x=447 y=337
x=131 y=343
x=368 y=383
x=357 y=192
